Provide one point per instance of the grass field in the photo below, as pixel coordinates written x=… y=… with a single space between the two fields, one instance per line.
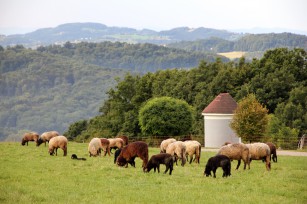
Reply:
x=30 y=175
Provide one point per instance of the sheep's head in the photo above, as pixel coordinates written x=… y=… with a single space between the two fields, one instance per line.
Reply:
x=207 y=171
x=51 y=152
x=121 y=161
x=23 y=142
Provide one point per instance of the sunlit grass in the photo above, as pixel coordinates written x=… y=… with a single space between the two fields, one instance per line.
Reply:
x=30 y=175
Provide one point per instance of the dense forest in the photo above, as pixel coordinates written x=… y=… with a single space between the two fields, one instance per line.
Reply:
x=51 y=87
x=278 y=80
x=135 y=57
x=248 y=43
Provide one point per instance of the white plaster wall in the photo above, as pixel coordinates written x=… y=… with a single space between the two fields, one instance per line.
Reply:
x=217 y=130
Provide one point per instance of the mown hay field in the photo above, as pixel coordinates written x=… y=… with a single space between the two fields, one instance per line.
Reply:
x=233 y=55
x=30 y=175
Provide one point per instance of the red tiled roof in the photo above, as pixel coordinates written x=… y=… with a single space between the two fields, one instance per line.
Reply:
x=223 y=103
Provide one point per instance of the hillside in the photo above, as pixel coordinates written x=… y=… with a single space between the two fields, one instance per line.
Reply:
x=248 y=43
x=135 y=57
x=95 y=32
x=54 y=86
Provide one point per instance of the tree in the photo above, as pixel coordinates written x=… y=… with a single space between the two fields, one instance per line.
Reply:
x=250 y=119
x=76 y=129
x=166 y=116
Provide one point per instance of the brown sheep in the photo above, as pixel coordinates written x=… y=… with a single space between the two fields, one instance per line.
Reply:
x=105 y=145
x=273 y=151
x=259 y=151
x=124 y=138
x=58 y=142
x=116 y=143
x=236 y=151
x=46 y=136
x=29 y=136
x=132 y=150
x=165 y=143
x=178 y=149
x=193 y=147
x=94 y=147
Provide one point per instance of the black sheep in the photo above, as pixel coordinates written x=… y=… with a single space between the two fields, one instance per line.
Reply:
x=74 y=156
x=218 y=161
x=162 y=158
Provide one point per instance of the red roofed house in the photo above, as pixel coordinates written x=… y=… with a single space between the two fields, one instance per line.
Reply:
x=217 y=116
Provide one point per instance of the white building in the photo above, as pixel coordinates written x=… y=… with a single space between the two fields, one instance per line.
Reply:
x=217 y=117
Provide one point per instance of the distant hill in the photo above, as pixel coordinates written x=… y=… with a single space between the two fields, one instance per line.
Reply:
x=248 y=43
x=95 y=32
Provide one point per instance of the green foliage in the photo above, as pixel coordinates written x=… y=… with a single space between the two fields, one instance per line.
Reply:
x=250 y=119
x=75 y=129
x=166 y=116
x=280 y=134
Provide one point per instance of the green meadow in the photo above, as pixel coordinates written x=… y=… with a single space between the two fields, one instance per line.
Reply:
x=30 y=175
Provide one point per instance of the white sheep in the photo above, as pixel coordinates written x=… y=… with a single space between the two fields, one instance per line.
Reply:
x=58 y=142
x=177 y=149
x=165 y=143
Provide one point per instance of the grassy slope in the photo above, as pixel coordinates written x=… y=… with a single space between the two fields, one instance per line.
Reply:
x=30 y=175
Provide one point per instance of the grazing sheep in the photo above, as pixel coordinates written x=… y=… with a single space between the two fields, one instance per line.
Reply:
x=124 y=138
x=132 y=150
x=218 y=161
x=116 y=143
x=74 y=156
x=165 y=143
x=29 y=136
x=94 y=147
x=46 y=136
x=259 y=151
x=193 y=147
x=178 y=149
x=273 y=151
x=116 y=154
x=162 y=158
x=58 y=142
x=105 y=145
x=236 y=151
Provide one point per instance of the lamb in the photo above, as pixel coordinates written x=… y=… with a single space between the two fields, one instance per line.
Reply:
x=165 y=143
x=94 y=147
x=29 y=136
x=132 y=150
x=259 y=151
x=218 y=161
x=116 y=143
x=58 y=142
x=178 y=149
x=193 y=147
x=236 y=151
x=74 y=156
x=45 y=137
x=273 y=151
x=162 y=158
x=105 y=145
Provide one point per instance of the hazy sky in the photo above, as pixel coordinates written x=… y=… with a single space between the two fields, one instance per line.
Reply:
x=18 y=16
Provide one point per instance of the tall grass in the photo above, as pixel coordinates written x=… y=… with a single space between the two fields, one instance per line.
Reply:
x=30 y=175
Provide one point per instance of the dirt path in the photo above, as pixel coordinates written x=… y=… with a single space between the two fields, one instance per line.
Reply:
x=279 y=152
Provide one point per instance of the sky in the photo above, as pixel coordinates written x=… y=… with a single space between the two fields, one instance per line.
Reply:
x=21 y=16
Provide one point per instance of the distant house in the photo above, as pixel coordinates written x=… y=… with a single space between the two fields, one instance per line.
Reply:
x=217 y=117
